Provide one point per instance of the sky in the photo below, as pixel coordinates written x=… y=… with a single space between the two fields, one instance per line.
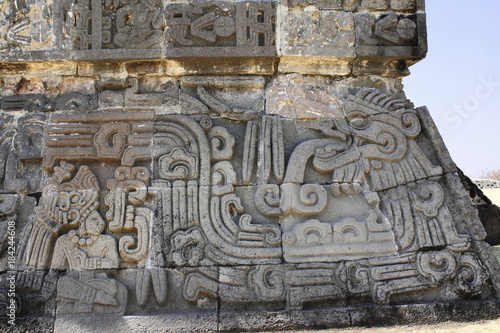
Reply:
x=459 y=80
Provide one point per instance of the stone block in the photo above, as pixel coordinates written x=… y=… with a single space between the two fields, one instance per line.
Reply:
x=403 y=5
x=22 y=153
x=374 y=5
x=320 y=29
x=389 y=35
x=152 y=291
x=166 y=323
x=489 y=216
x=16 y=212
x=284 y=320
x=438 y=153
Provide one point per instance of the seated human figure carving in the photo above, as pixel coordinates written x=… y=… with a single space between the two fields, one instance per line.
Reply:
x=138 y=24
x=83 y=251
x=86 y=248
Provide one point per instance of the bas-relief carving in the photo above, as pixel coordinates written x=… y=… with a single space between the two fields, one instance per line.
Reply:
x=21 y=152
x=90 y=137
x=138 y=24
x=345 y=28
x=78 y=24
x=385 y=139
x=388 y=30
x=148 y=24
x=353 y=5
x=46 y=94
x=25 y=25
x=159 y=192
x=41 y=103
x=297 y=101
x=221 y=24
x=89 y=292
x=128 y=191
x=372 y=227
x=211 y=23
x=345 y=32
x=141 y=24
x=67 y=234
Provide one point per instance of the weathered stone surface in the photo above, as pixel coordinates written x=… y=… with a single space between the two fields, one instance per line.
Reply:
x=42 y=325
x=489 y=213
x=173 y=323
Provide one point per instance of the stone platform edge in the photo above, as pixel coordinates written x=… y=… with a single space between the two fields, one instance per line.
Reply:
x=334 y=318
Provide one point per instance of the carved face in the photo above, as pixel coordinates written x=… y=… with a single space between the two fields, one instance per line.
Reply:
x=383 y=136
x=381 y=120
x=93 y=225
x=70 y=205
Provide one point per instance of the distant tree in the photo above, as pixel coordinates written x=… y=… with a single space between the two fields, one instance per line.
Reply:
x=491 y=174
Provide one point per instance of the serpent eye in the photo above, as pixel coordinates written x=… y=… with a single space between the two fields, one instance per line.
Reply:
x=359 y=122
x=74 y=198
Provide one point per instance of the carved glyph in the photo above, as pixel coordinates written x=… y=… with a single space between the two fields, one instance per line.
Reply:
x=138 y=23
x=91 y=137
x=128 y=191
x=389 y=30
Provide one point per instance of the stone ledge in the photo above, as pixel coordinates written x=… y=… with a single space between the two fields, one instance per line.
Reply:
x=364 y=316
x=28 y=65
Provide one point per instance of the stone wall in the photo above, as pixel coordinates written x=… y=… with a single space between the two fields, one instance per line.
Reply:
x=489 y=213
x=224 y=166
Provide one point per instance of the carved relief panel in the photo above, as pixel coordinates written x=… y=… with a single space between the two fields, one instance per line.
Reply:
x=136 y=179
x=132 y=24
x=392 y=29
x=295 y=193
x=145 y=24
x=338 y=32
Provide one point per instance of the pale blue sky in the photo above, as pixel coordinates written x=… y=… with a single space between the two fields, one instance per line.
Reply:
x=452 y=81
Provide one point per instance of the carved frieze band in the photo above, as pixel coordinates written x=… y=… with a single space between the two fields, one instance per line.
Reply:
x=150 y=29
